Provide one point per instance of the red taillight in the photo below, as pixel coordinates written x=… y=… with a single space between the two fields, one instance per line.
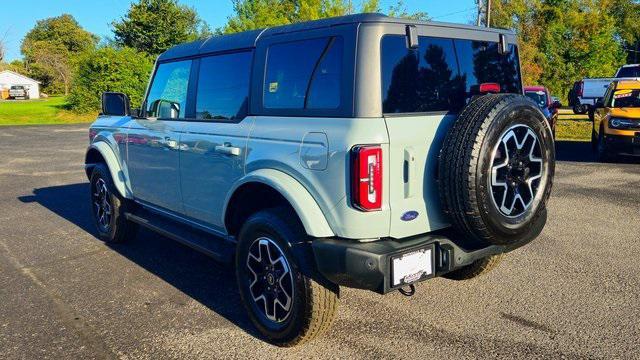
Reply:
x=489 y=88
x=581 y=89
x=366 y=177
x=92 y=134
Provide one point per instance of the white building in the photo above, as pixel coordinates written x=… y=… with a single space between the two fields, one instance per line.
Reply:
x=9 y=78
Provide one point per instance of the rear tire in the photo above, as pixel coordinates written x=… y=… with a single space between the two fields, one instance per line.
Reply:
x=496 y=170
x=579 y=109
x=300 y=305
x=108 y=208
x=475 y=269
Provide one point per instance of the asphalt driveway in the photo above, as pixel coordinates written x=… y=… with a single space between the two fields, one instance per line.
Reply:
x=574 y=292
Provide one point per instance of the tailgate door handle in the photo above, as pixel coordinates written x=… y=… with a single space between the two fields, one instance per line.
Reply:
x=229 y=150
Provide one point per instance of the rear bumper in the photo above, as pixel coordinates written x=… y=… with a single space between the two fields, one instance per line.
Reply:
x=367 y=265
x=624 y=145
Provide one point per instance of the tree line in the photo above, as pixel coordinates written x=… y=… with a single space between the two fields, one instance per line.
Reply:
x=70 y=60
x=560 y=40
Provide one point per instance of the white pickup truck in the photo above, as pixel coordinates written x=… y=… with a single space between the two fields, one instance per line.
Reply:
x=588 y=90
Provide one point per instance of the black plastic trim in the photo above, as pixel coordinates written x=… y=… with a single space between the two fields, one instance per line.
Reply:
x=367 y=265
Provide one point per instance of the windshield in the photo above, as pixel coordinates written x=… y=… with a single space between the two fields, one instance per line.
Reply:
x=626 y=99
x=629 y=71
x=538 y=97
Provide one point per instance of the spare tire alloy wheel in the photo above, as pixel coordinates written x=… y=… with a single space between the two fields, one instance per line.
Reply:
x=516 y=170
x=496 y=170
x=271 y=280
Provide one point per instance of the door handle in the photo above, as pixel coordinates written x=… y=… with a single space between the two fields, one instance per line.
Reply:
x=170 y=143
x=228 y=150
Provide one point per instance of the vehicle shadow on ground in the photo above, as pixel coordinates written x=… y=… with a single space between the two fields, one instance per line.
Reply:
x=581 y=151
x=210 y=283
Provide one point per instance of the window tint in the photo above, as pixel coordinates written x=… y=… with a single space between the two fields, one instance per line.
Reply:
x=629 y=71
x=324 y=91
x=420 y=80
x=304 y=74
x=168 y=94
x=223 y=86
x=539 y=97
x=480 y=63
x=442 y=74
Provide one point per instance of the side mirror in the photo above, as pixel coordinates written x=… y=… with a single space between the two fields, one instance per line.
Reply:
x=115 y=104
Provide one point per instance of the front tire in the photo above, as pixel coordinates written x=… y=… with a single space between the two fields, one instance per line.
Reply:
x=602 y=149
x=108 y=207
x=286 y=299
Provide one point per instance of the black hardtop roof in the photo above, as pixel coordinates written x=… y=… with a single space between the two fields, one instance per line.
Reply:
x=248 y=39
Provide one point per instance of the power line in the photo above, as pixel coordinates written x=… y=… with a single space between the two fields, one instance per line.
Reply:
x=454 y=13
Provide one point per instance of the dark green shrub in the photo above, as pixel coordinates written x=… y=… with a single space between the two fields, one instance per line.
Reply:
x=109 y=69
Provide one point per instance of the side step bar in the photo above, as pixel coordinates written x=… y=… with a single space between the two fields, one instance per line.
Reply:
x=220 y=249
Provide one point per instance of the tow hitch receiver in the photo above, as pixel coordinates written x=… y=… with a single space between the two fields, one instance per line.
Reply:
x=410 y=292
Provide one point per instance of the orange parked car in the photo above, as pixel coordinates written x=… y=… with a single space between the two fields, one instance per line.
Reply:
x=616 y=121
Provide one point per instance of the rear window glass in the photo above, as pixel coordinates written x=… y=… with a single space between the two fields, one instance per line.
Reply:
x=304 y=74
x=480 y=63
x=420 y=80
x=626 y=99
x=443 y=74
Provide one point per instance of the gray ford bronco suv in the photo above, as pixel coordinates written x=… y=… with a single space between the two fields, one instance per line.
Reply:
x=360 y=151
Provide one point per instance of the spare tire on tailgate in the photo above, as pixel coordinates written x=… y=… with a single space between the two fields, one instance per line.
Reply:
x=496 y=170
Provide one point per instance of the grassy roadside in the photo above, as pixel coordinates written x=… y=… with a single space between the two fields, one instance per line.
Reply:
x=573 y=127
x=53 y=110
x=39 y=112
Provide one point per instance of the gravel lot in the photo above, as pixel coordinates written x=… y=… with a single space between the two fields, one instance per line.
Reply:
x=574 y=292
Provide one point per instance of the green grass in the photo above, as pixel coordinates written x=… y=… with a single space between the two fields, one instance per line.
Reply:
x=54 y=111
x=37 y=112
x=572 y=127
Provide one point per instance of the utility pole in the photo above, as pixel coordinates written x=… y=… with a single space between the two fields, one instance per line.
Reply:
x=484 y=12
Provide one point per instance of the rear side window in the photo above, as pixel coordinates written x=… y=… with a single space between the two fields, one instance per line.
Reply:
x=442 y=74
x=168 y=93
x=304 y=74
x=223 y=87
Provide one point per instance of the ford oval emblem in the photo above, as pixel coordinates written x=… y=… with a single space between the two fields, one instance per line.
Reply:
x=409 y=215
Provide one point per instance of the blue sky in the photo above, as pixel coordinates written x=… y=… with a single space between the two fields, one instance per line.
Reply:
x=96 y=16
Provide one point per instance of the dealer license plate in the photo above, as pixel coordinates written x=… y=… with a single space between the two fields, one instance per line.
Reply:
x=411 y=267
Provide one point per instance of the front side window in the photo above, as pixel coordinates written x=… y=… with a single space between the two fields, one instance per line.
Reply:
x=223 y=86
x=168 y=93
x=304 y=74
x=420 y=80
